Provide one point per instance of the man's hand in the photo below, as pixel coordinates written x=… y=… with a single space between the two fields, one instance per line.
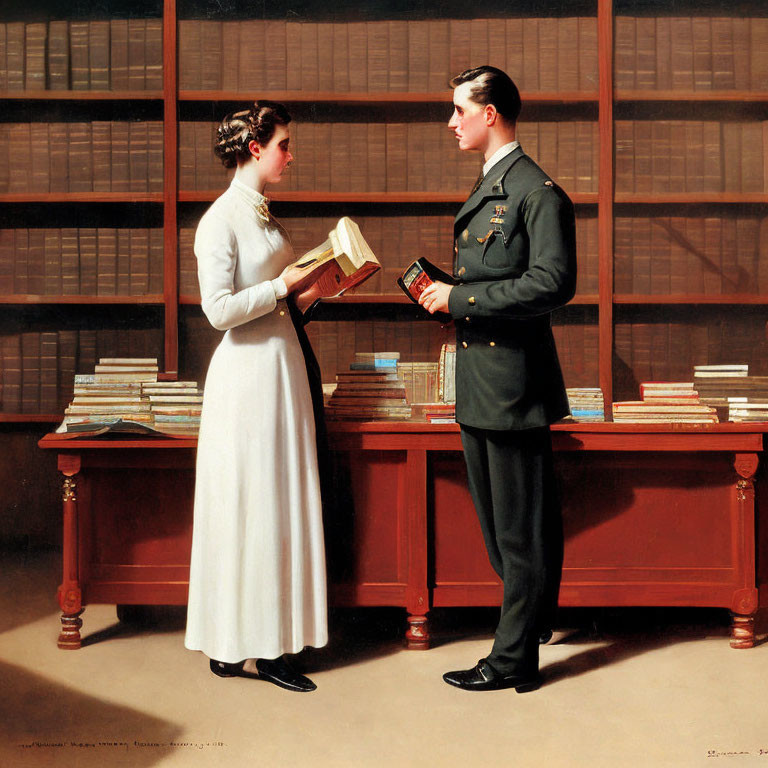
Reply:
x=435 y=297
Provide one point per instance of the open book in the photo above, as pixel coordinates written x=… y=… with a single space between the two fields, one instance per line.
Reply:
x=123 y=426
x=342 y=262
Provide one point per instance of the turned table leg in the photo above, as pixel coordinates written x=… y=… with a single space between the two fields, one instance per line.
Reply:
x=745 y=600
x=417 y=635
x=69 y=594
x=742 y=631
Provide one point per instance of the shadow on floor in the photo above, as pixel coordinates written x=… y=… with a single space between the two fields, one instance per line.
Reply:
x=45 y=723
x=36 y=575
x=622 y=632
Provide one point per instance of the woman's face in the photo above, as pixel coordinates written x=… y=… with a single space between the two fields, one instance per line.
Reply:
x=273 y=158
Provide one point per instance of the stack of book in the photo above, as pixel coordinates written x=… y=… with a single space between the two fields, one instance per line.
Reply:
x=368 y=394
x=665 y=401
x=719 y=385
x=175 y=405
x=586 y=403
x=440 y=413
x=740 y=409
x=731 y=387
x=375 y=361
x=124 y=395
x=99 y=403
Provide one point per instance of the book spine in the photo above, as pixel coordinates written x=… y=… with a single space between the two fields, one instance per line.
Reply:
x=58 y=55
x=79 y=66
x=53 y=278
x=35 y=43
x=153 y=55
x=98 y=55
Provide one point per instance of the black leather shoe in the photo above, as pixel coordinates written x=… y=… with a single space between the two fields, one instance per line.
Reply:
x=224 y=669
x=280 y=672
x=276 y=671
x=483 y=677
x=545 y=636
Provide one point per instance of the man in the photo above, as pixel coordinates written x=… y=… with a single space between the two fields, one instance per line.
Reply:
x=515 y=263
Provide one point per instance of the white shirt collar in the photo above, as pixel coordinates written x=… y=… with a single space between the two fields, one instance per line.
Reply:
x=255 y=199
x=500 y=153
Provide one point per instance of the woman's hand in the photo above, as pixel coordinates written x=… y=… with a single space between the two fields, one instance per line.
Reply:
x=305 y=299
x=435 y=297
x=293 y=277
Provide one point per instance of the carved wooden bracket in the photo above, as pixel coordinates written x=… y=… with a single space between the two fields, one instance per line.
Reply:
x=745 y=464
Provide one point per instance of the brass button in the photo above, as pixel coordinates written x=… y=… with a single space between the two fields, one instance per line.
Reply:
x=465 y=235
x=467 y=318
x=471 y=299
x=282 y=312
x=462 y=271
x=464 y=344
x=548 y=183
x=491 y=343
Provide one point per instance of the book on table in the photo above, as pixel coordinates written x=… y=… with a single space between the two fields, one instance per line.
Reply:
x=341 y=263
x=127 y=427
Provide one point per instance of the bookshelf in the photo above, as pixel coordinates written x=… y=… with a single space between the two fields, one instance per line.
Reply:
x=660 y=145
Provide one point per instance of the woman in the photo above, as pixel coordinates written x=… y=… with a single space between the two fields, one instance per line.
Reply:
x=257 y=578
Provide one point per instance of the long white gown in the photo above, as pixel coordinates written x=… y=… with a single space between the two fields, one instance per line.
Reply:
x=257 y=577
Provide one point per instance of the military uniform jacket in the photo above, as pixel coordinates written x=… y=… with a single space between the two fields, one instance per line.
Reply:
x=515 y=263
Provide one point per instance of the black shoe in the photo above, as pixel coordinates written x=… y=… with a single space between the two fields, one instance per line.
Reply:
x=483 y=677
x=545 y=636
x=224 y=669
x=280 y=672
x=276 y=671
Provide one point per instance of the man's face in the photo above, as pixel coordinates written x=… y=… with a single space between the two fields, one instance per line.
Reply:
x=468 y=121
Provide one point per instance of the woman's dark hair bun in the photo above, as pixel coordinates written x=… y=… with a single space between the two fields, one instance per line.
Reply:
x=238 y=129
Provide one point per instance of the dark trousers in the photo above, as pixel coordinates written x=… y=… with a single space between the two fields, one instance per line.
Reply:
x=512 y=483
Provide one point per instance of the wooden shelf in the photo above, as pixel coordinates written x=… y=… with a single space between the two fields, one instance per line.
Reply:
x=81 y=197
x=692 y=198
x=391 y=298
x=377 y=97
x=748 y=97
x=205 y=196
x=692 y=298
x=81 y=95
x=30 y=418
x=36 y=299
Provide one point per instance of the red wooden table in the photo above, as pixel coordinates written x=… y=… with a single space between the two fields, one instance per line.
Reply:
x=654 y=515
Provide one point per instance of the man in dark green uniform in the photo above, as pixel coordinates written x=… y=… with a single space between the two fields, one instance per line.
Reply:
x=515 y=263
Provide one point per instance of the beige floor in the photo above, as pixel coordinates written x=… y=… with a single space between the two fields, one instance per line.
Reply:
x=628 y=688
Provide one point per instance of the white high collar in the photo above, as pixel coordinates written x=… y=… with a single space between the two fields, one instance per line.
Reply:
x=499 y=154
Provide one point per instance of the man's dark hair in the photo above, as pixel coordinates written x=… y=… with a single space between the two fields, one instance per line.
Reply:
x=492 y=86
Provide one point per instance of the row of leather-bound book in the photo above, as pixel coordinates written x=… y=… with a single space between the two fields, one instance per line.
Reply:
x=96 y=55
x=81 y=261
x=98 y=156
x=547 y=54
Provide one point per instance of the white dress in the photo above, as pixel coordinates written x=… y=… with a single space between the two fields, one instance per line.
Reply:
x=257 y=586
